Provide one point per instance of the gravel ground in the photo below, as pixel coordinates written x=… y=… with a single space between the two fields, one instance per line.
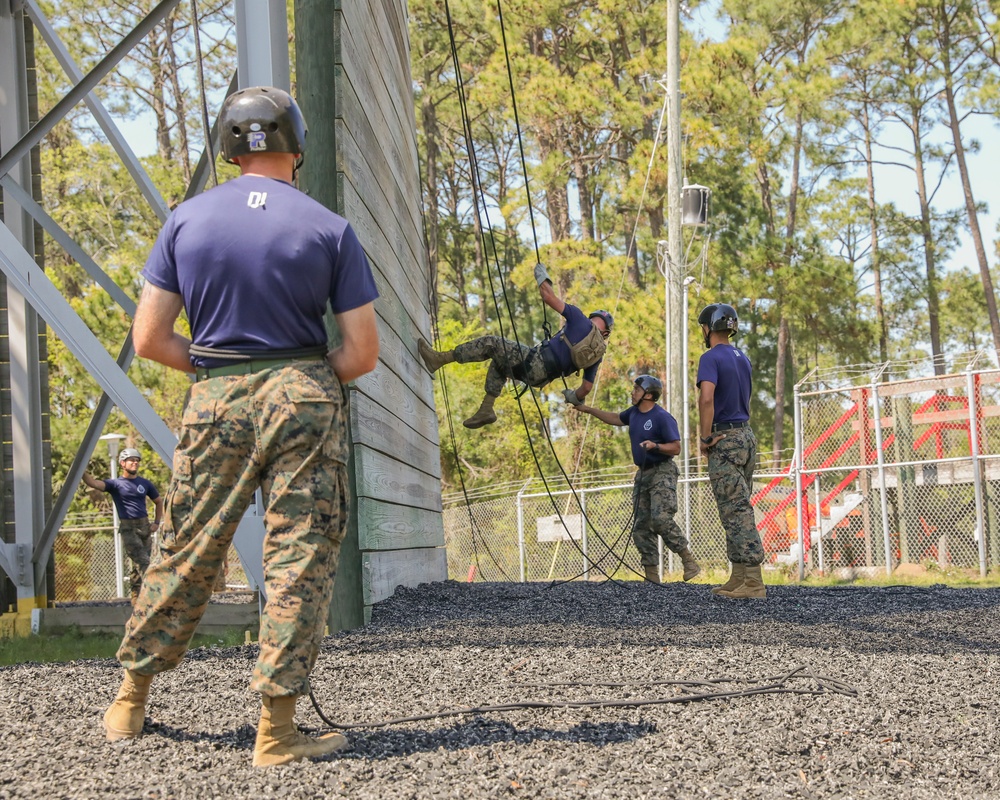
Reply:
x=896 y=697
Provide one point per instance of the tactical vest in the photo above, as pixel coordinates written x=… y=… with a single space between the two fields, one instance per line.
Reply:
x=588 y=351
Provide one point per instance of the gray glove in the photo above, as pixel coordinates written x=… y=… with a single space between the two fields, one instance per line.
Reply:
x=541 y=274
x=570 y=395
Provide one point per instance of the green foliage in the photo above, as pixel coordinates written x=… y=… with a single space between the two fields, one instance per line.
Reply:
x=74 y=645
x=784 y=118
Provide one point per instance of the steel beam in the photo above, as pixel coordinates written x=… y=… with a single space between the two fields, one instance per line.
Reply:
x=54 y=230
x=23 y=329
x=35 y=285
x=262 y=44
x=129 y=159
x=84 y=87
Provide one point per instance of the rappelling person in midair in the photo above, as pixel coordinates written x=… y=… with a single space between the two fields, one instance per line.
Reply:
x=579 y=345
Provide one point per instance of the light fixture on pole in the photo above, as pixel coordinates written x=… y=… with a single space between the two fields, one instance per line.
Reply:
x=114 y=441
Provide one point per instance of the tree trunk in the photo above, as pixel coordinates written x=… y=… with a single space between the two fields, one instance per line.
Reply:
x=963 y=171
x=883 y=337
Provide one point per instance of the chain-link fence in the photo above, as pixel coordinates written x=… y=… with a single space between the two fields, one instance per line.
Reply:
x=86 y=558
x=902 y=468
x=559 y=534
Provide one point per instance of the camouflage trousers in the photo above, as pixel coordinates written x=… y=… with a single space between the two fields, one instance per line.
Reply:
x=730 y=470
x=137 y=542
x=507 y=360
x=280 y=429
x=654 y=496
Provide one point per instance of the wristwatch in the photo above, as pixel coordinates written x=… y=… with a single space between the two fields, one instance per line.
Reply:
x=706 y=439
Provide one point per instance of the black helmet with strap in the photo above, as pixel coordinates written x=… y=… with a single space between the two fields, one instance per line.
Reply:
x=720 y=317
x=650 y=385
x=261 y=119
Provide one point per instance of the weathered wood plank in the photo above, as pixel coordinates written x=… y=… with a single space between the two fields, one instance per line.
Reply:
x=383 y=478
x=356 y=57
x=375 y=427
x=382 y=572
x=388 y=210
x=394 y=171
x=381 y=107
x=383 y=257
x=398 y=351
x=386 y=526
x=387 y=389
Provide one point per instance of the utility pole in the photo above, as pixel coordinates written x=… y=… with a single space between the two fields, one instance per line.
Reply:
x=674 y=272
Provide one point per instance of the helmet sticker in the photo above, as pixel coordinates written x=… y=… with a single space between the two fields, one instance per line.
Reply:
x=257 y=140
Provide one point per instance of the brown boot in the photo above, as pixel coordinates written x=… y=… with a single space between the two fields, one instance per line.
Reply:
x=735 y=579
x=484 y=416
x=652 y=573
x=433 y=359
x=691 y=568
x=751 y=588
x=124 y=717
x=279 y=741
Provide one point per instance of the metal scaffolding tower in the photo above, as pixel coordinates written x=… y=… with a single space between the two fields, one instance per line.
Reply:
x=29 y=517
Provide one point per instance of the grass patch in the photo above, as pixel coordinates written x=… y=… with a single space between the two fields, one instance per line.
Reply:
x=75 y=645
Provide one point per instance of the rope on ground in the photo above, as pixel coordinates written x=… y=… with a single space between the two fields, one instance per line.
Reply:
x=799 y=680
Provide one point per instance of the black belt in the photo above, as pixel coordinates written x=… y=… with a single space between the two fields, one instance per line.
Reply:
x=728 y=426
x=250 y=367
x=551 y=362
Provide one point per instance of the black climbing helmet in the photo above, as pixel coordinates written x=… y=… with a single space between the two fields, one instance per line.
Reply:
x=609 y=321
x=261 y=119
x=720 y=317
x=650 y=385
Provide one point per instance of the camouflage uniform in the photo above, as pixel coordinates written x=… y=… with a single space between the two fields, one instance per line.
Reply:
x=282 y=429
x=137 y=541
x=730 y=469
x=507 y=360
x=655 y=499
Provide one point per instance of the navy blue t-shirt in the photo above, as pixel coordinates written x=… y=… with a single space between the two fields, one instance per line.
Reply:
x=657 y=425
x=577 y=326
x=729 y=369
x=256 y=261
x=129 y=496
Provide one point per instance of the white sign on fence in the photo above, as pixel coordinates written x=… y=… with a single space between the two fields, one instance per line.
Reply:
x=551 y=529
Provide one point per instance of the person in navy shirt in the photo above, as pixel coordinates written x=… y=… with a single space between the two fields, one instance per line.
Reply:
x=255 y=263
x=579 y=345
x=655 y=441
x=130 y=494
x=725 y=381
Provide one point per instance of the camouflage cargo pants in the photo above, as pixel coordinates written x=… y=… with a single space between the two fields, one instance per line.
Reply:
x=730 y=470
x=655 y=502
x=283 y=430
x=507 y=360
x=137 y=542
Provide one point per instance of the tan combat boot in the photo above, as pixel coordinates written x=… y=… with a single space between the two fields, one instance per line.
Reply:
x=484 y=416
x=124 y=717
x=432 y=358
x=652 y=573
x=691 y=568
x=735 y=579
x=751 y=588
x=279 y=741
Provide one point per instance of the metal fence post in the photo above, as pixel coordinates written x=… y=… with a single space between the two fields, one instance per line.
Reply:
x=877 y=414
x=522 y=556
x=977 y=481
x=798 y=461
x=583 y=534
x=819 y=528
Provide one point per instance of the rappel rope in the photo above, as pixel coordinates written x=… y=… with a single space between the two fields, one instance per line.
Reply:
x=477 y=188
x=798 y=681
